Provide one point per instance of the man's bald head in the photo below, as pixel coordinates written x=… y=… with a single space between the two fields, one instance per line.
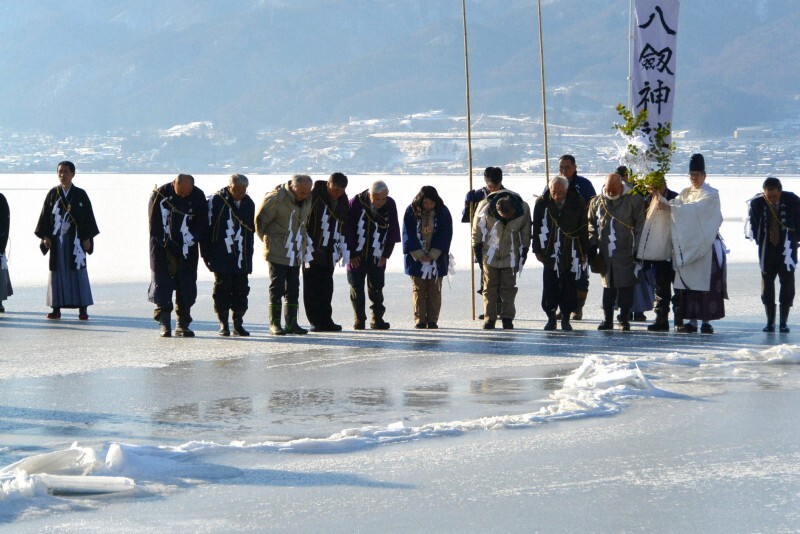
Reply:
x=183 y=184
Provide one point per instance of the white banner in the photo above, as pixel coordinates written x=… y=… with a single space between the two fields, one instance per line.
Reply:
x=654 y=60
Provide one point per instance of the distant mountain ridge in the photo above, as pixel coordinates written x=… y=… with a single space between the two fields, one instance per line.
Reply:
x=90 y=66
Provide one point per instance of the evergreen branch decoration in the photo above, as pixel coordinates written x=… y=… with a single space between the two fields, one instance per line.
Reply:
x=645 y=148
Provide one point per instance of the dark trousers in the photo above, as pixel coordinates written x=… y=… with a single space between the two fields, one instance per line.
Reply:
x=318 y=293
x=558 y=291
x=786 y=295
x=230 y=293
x=664 y=277
x=623 y=296
x=183 y=283
x=375 y=277
x=774 y=266
x=284 y=281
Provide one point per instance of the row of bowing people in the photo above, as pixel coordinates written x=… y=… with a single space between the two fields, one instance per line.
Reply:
x=653 y=251
x=639 y=245
x=306 y=228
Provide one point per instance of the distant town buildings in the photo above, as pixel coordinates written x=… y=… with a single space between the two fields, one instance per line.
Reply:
x=425 y=143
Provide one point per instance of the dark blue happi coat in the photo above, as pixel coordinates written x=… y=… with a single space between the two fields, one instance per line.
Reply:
x=229 y=248
x=787 y=214
x=177 y=225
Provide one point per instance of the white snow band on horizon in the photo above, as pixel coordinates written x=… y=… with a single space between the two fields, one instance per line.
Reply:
x=599 y=387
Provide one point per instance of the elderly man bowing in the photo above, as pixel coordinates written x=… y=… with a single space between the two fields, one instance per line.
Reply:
x=281 y=225
x=561 y=243
x=178 y=223
x=373 y=230
x=616 y=219
x=228 y=253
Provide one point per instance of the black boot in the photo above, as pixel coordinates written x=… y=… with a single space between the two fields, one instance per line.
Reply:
x=378 y=323
x=770 y=309
x=224 y=331
x=275 y=320
x=551 y=321
x=165 y=322
x=661 y=324
x=238 y=327
x=624 y=322
x=678 y=316
x=565 y=326
x=290 y=314
x=182 y=327
x=608 y=322
x=784 y=328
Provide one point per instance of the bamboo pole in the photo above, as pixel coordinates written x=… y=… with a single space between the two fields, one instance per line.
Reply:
x=469 y=151
x=544 y=100
x=630 y=55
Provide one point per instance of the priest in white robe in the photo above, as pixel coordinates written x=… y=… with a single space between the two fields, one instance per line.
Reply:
x=698 y=253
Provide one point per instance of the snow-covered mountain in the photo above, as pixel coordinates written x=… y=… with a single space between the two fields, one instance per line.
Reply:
x=88 y=66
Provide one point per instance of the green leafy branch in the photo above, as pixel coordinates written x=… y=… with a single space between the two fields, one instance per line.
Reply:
x=647 y=155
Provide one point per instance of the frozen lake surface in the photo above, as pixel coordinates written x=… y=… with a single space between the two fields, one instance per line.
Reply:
x=449 y=430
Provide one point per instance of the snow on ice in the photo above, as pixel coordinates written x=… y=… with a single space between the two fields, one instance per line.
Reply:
x=597 y=380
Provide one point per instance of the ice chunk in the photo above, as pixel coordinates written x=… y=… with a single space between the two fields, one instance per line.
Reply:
x=76 y=460
x=85 y=485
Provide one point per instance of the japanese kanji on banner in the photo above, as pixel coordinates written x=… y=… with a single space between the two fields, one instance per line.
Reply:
x=654 y=46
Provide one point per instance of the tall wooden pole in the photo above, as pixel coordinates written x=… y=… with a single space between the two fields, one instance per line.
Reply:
x=469 y=151
x=544 y=99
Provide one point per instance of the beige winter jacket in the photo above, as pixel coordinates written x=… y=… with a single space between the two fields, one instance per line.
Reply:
x=281 y=226
x=503 y=244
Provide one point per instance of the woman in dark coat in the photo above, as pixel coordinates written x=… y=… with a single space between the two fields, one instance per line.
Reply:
x=427 y=233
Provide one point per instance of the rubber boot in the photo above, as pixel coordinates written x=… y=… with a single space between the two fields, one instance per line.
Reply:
x=608 y=322
x=224 y=331
x=165 y=322
x=290 y=314
x=784 y=328
x=275 y=320
x=770 y=309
